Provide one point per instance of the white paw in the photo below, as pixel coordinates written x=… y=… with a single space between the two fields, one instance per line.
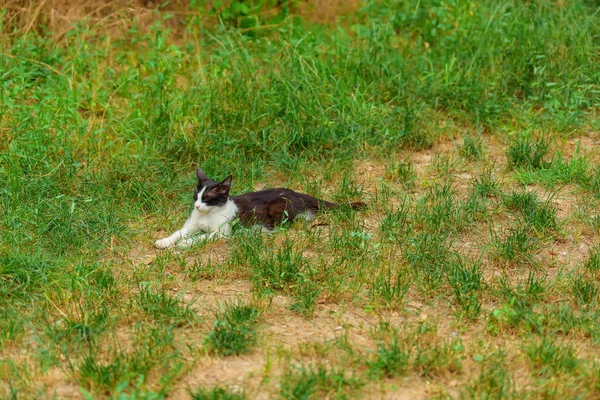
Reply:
x=163 y=243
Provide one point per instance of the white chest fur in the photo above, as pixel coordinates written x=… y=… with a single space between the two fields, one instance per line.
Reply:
x=215 y=221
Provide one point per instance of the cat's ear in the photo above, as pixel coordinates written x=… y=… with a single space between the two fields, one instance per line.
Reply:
x=224 y=186
x=202 y=177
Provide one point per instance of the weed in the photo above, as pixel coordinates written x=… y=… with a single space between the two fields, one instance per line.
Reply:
x=279 y=270
x=216 y=393
x=428 y=254
x=466 y=281
x=472 y=147
x=584 y=290
x=391 y=359
x=592 y=264
x=305 y=295
x=234 y=330
x=539 y=215
x=431 y=360
x=486 y=184
x=164 y=308
x=494 y=380
x=317 y=382
x=391 y=289
x=517 y=247
x=550 y=358
x=527 y=153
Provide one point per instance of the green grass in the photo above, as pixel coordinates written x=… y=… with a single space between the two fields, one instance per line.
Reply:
x=217 y=393
x=234 y=330
x=469 y=129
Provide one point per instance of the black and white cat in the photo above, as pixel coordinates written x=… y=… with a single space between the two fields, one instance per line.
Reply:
x=214 y=210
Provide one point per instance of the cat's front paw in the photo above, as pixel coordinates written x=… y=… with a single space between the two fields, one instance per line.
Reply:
x=163 y=244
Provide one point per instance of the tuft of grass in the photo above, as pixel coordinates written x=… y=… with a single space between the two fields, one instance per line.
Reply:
x=466 y=279
x=234 y=330
x=124 y=372
x=216 y=393
x=557 y=172
x=304 y=298
x=396 y=225
x=494 y=381
x=304 y=382
x=550 y=358
x=438 y=210
x=437 y=359
x=527 y=153
x=584 y=290
x=541 y=216
x=472 y=147
x=486 y=184
x=392 y=359
x=517 y=247
x=428 y=254
x=164 y=308
x=391 y=288
x=279 y=270
x=592 y=264
x=402 y=172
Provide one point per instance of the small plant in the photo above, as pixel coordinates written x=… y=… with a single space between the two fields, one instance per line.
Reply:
x=525 y=153
x=164 y=308
x=431 y=360
x=592 y=264
x=494 y=380
x=317 y=382
x=390 y=360
x=472 y=147
x=592 y=182
x=550 y=358
x=526 y=292
x=396 y=224
x=278 y=271
x=428 y=254
x=438 y=209
x=403 y=172
x=486 y=184
x=516 y=247
x=101 y=376
x=390 y=289
x=512 y=315
x=234 y=330
x=304 y=298
x=466 y=281
x=556 y=172
x=216 y=393
x=540 y=216
x=584 y=290
x=520 y=201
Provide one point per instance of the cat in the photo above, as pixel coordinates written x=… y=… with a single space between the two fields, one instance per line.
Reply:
x=215 y=211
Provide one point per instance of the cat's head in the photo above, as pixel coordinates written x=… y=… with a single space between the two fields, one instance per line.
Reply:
x=210 y=194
